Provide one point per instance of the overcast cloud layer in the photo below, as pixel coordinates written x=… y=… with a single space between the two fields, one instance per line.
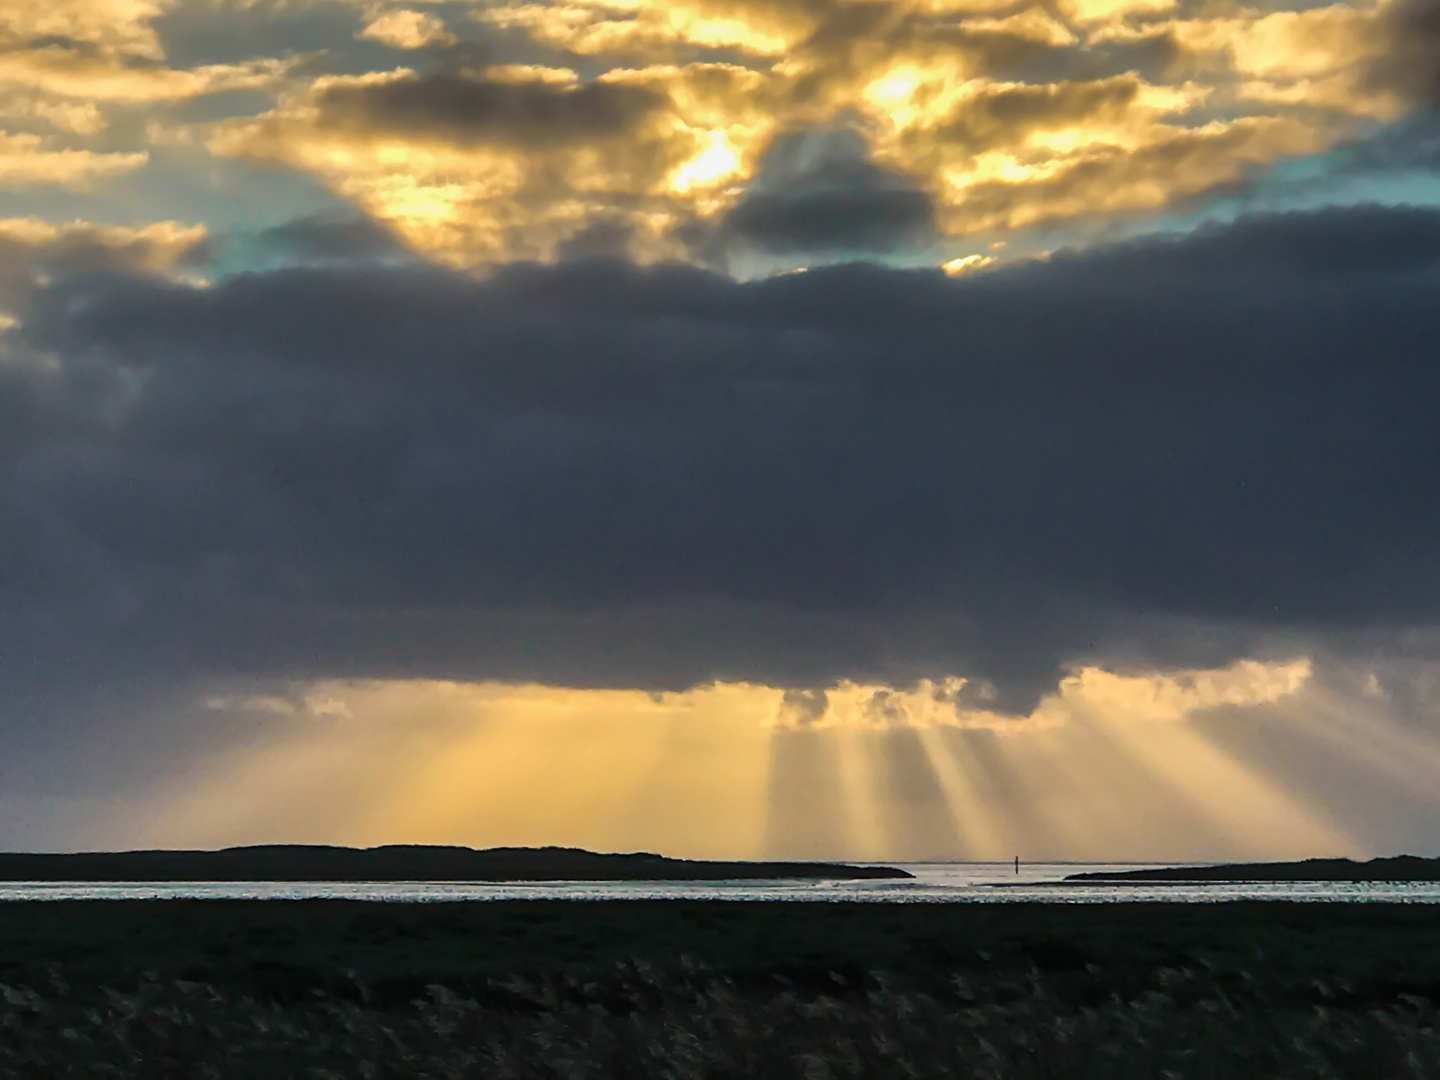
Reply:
x=1235 y=426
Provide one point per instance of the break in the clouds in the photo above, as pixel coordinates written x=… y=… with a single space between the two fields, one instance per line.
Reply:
x=484 y=132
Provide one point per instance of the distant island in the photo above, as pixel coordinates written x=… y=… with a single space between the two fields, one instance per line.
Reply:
x=1398 y=868
x=406 y=862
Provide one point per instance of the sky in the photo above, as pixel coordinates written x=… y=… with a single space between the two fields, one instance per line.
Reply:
x=871 y=429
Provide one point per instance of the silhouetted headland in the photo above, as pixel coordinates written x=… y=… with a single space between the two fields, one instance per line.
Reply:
x=406 y=862
x=1398 y=868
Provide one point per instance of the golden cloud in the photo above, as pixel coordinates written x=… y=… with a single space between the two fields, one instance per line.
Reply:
x=28 y=159
x=511 y=163
x=967 y=264
x=113 y=26
x=1001 y=191
x=69 y=73
x=1171 y=696
x=1158 y=696
x=519 y=160
x=1095 y=11
x=111 y=57
x=1321 y=57
x=1285 y=44
x=74 y=117
x=156 y=246
x=653 y=27
x=407 y=30
x=66 y=88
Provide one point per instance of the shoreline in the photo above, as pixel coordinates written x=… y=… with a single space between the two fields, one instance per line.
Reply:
x=399 y=863
x=1394 y=870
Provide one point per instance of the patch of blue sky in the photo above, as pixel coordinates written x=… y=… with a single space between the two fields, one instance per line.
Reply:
x=184 y=184
x=1337 y=178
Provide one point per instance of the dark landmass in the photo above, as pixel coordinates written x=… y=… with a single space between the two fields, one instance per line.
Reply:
x=1399 y=868
x=405 y=862
x=783 y=991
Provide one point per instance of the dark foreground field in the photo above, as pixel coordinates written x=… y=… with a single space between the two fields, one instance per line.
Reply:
x=710 y=989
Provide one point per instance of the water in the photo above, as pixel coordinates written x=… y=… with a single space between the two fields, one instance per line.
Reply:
x=985 y=883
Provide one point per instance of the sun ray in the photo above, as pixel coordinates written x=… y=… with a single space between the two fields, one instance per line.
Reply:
x=914 y=815
x=1006 y=793
x=858 y=782
x=1142 y=814
x=807 y=808
x=1256 y=818
x=1106 y=766
x=974 y=825
x=706 y=793
x=1366 y=732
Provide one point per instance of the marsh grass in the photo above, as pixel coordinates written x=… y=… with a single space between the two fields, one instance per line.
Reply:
x=273 y=990
x=683 y=1019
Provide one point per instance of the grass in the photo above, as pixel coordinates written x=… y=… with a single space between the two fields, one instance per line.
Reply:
x=327 y=989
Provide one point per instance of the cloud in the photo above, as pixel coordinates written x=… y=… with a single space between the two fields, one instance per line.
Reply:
x=481 y=165
x=30 y=244
x=1411 y=63
x=29 y=159
x=978 y=120
x=1111 y=178
x=816 y=192
x=66 y=69
x=81 y=92
x=1412 y=144
x=801 y=708
x=1128 y=698
x=74 y=74
x=407 y=30
x=654 y=27
x=328 y=238
x=115 y=26
x=1001 y=114
x=852 y=473
x=466 y=109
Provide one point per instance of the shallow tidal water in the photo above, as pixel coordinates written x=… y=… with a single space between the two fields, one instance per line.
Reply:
x=984 y=883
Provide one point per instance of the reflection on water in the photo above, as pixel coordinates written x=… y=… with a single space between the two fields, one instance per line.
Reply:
x=933 y=883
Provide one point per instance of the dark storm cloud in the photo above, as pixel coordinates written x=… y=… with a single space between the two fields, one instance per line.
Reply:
x=470 y=108
x=79 y=250
x=331 y=237
x=1007 y=113
x=1412 y=143
x=1411 y=64
x=858 y=216
x=663 y=475
x=603 y=238
x=817 y=192
x=800 y=708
